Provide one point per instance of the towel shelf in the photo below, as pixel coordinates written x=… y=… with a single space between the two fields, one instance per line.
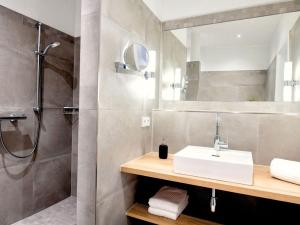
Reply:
x=264 y=185
x=140 y=212
x=12 y=116
x=71 y=110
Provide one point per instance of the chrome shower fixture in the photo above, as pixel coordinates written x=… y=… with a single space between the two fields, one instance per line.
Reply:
x=45 y=51
x=53 y=45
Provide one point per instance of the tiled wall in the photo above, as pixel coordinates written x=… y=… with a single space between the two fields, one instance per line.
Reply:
x=266 y=136
x=75 y=117
x=246 y=85
x=122 y=103
x=27 y=186
x=88 y=115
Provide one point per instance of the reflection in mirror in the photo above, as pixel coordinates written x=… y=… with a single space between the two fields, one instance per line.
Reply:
x=247 y=60
x=136 y=57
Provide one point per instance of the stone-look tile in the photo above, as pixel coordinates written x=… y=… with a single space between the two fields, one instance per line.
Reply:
x=88 y=104
x=120 y=140
x=76 y=81
x=232 y=85
x=16 y=34
x=200 y=129
x=183 y=128
x=117 y=90
x=170 y=126
x=112 y=210
x=74 y=174
x=16 y=193
x=89 y=64
x=74 y=165
x=251 y=93
x=52 y=181
x=58 y=69
x=16 y=92
x=75 y=118
x=55 y=136
x=87 y=156
x=241 y=131
x=147 y=134
x=234 y=78
x=278 y=137
x=129 y=14
x=221 y=94
x=90 y=7
x=62 y=213
x=18 y=138
x=122 y=103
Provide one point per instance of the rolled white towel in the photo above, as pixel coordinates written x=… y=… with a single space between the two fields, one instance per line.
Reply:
x=169 y=214
x=286 y=170
x=169 y=199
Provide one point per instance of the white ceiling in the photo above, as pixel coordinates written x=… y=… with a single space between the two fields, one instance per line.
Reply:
x=177 y=9
x=257 y=31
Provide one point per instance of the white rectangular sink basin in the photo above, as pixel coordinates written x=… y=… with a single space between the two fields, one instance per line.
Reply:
x=231 y=165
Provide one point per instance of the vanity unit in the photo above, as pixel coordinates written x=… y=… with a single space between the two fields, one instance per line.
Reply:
x=264 y=186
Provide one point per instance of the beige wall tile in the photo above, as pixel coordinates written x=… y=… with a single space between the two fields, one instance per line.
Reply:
x=170 y=126
x=278 y=137
x=120 y=140
x=241 y=130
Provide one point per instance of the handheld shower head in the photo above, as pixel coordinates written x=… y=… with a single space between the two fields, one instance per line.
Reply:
x=52 y=45
x=55 y=44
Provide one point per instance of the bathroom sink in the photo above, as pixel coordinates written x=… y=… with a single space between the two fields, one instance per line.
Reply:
x=230 y=165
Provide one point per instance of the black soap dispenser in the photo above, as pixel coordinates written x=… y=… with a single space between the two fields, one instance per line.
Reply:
x=163 y=150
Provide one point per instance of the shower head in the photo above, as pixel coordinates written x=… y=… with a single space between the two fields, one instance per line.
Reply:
x=52 y=45
x=55 y=44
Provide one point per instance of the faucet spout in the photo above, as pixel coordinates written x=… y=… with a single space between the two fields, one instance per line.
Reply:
x=218 y=143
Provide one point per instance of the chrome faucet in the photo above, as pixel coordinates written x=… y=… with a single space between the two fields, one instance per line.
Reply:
x=218 y=143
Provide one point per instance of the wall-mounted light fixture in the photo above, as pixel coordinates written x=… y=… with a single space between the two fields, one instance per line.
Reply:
x=288 y=71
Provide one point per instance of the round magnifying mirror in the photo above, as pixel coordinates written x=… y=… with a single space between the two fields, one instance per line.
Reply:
x=136 y=57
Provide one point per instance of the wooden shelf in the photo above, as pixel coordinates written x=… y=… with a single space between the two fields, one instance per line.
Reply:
x=140 y=212
x=264 y=185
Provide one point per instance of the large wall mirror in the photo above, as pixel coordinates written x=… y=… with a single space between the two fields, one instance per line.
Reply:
x=250 y=60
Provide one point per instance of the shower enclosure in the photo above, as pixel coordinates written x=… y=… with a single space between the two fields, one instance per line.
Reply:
x=39 y=98
x=38 y=109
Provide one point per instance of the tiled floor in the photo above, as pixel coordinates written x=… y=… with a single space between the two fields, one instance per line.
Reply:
x=62 y=213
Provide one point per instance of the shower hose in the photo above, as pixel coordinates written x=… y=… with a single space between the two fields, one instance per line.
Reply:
x=36 y=140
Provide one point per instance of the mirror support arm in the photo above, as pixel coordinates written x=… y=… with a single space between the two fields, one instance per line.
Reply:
x=123 y=68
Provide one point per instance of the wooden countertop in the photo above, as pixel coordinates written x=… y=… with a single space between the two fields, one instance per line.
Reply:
x=264 y=185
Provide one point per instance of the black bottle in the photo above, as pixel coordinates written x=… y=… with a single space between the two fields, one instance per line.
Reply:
x=163 y=151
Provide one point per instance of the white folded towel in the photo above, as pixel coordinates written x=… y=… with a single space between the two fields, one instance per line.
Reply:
x=169 y=214
x=286 y=170
x=168 y=199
